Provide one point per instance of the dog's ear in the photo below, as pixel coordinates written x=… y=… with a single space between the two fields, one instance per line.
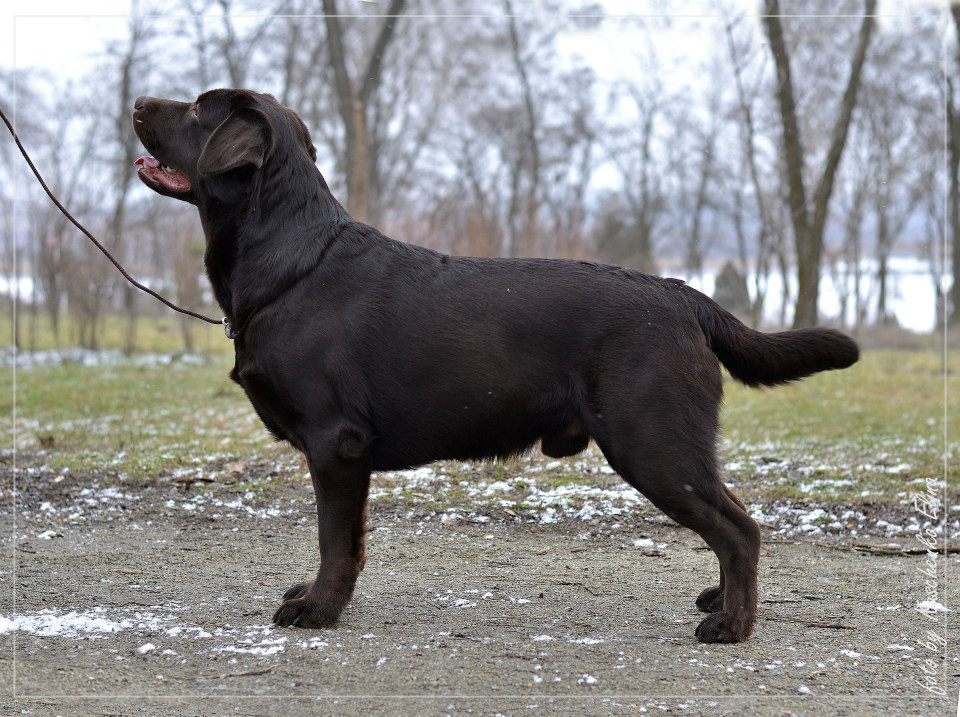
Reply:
x=244 y=139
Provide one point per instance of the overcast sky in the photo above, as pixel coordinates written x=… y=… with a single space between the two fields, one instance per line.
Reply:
x=65 y=36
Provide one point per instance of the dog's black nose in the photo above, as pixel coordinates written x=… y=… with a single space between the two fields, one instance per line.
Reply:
x=139 y=102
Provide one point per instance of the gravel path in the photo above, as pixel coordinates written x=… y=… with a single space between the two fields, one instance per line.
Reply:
x=150 y=608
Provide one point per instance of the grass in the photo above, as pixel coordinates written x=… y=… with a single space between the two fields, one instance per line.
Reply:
x=860 y=435
x=142 y=422
x=878 y=425
x=160 y=334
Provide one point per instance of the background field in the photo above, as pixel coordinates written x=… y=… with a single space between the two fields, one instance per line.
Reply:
x=867 y=435
x=158 y=524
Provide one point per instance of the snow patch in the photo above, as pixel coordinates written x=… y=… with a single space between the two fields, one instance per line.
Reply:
x=90 y=624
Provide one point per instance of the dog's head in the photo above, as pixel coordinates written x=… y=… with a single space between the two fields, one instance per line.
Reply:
x=214 y=147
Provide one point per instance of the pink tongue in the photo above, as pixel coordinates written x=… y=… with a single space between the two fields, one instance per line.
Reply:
x=151 y=161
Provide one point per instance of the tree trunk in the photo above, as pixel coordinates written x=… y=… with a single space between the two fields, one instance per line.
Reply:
x=883 y=255
x=358 y=195
x=645 y=261
x=353 y=101
x=15 y=296
x=32 y=333
x=130 y=308
x=851 y=250
x=882 y=318
x=857 y=284
x=533 y=144
x=128 y=151
x=808 y=258
x=784 y=267
x=186 y=333
x=513 y=207
x=840 y=285
x=230 y=50
x=695 y=249
x=808 y=224
x=747 y=139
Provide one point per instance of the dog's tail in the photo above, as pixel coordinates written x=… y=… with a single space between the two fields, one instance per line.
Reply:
x=759 y=359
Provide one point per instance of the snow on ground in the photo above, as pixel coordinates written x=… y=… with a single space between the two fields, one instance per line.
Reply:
x=165 y=634
x=85 y=624
x=90 y=357
x=583 y=490
x=161 y=630
x=166 y=630
x=108 y=503
x=529 y=496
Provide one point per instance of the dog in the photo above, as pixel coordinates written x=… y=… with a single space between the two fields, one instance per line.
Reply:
x=369 y=354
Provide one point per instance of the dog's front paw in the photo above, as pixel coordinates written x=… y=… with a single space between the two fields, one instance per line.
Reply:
x=710 y=600
x=724 y=627
x=305 y=611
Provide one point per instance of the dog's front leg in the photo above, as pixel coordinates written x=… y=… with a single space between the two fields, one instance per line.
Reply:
x=341 y=486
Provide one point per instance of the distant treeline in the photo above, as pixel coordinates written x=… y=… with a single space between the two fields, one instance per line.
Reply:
x=792 y=147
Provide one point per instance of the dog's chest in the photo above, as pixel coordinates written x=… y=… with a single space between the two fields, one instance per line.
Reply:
x=265 y=399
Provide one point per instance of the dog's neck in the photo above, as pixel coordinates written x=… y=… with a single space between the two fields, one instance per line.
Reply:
x=259 y=248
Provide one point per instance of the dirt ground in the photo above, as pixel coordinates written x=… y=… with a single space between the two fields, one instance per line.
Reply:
x=151 y=602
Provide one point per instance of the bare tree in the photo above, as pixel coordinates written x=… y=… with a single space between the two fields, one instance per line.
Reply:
x=900 y=140
x=237 y=50
x=531 y=145
x=749 y=151
x=52 y=230
x=520 y=133
x=571 y=161
x=809 y=220
x=637 y=158
x=853 y=209
x=704 y=165
x=353 y=101
x=197 y=9
x=934 y=229
x=31 y=111
x=129 y=65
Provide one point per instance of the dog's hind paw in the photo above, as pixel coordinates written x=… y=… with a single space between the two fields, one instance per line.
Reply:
x=305 y=611
x=724 y=627
x=710 y=600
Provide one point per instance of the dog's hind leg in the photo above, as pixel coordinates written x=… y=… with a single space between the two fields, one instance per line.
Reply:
x=663 y=442
x=687 y=488
x=711 y=599
x=341 y=480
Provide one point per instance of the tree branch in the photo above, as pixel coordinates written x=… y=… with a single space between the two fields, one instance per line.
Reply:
x=338 y=62
x=821 y=197
x=792 y=145
x=375 y=66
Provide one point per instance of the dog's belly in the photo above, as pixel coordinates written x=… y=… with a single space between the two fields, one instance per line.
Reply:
x=459 y=431
x=395 y=453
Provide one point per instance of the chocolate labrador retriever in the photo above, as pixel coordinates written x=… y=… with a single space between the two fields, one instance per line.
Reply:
x=369 y=354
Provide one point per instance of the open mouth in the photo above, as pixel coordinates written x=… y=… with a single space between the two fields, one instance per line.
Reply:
x=170 y=179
